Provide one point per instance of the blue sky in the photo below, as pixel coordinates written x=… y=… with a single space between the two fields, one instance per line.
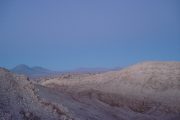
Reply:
x=68 y=34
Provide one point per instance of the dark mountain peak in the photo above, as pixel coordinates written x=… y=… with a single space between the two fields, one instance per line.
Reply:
x=21 y=69
x=30 y=71
x=22 y=66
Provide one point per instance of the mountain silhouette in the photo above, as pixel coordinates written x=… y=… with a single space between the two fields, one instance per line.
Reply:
x=31 y=71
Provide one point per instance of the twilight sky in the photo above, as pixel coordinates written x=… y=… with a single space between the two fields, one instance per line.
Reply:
x=68 y=34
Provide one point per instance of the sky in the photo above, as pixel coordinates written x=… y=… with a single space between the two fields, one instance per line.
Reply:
x=69 y=34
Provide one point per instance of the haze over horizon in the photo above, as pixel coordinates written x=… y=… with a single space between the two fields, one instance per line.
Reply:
x=64 y=35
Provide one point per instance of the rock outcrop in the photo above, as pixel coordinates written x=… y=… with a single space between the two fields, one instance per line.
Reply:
x=19 y=101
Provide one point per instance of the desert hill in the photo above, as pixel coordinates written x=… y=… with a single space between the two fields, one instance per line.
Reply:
x=147 y=88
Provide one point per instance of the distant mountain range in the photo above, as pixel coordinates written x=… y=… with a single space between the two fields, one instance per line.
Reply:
x=38 y=71
x=95 y=70
x=31 y=71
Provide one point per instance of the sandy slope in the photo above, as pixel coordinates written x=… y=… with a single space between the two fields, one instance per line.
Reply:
x=151 y=89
